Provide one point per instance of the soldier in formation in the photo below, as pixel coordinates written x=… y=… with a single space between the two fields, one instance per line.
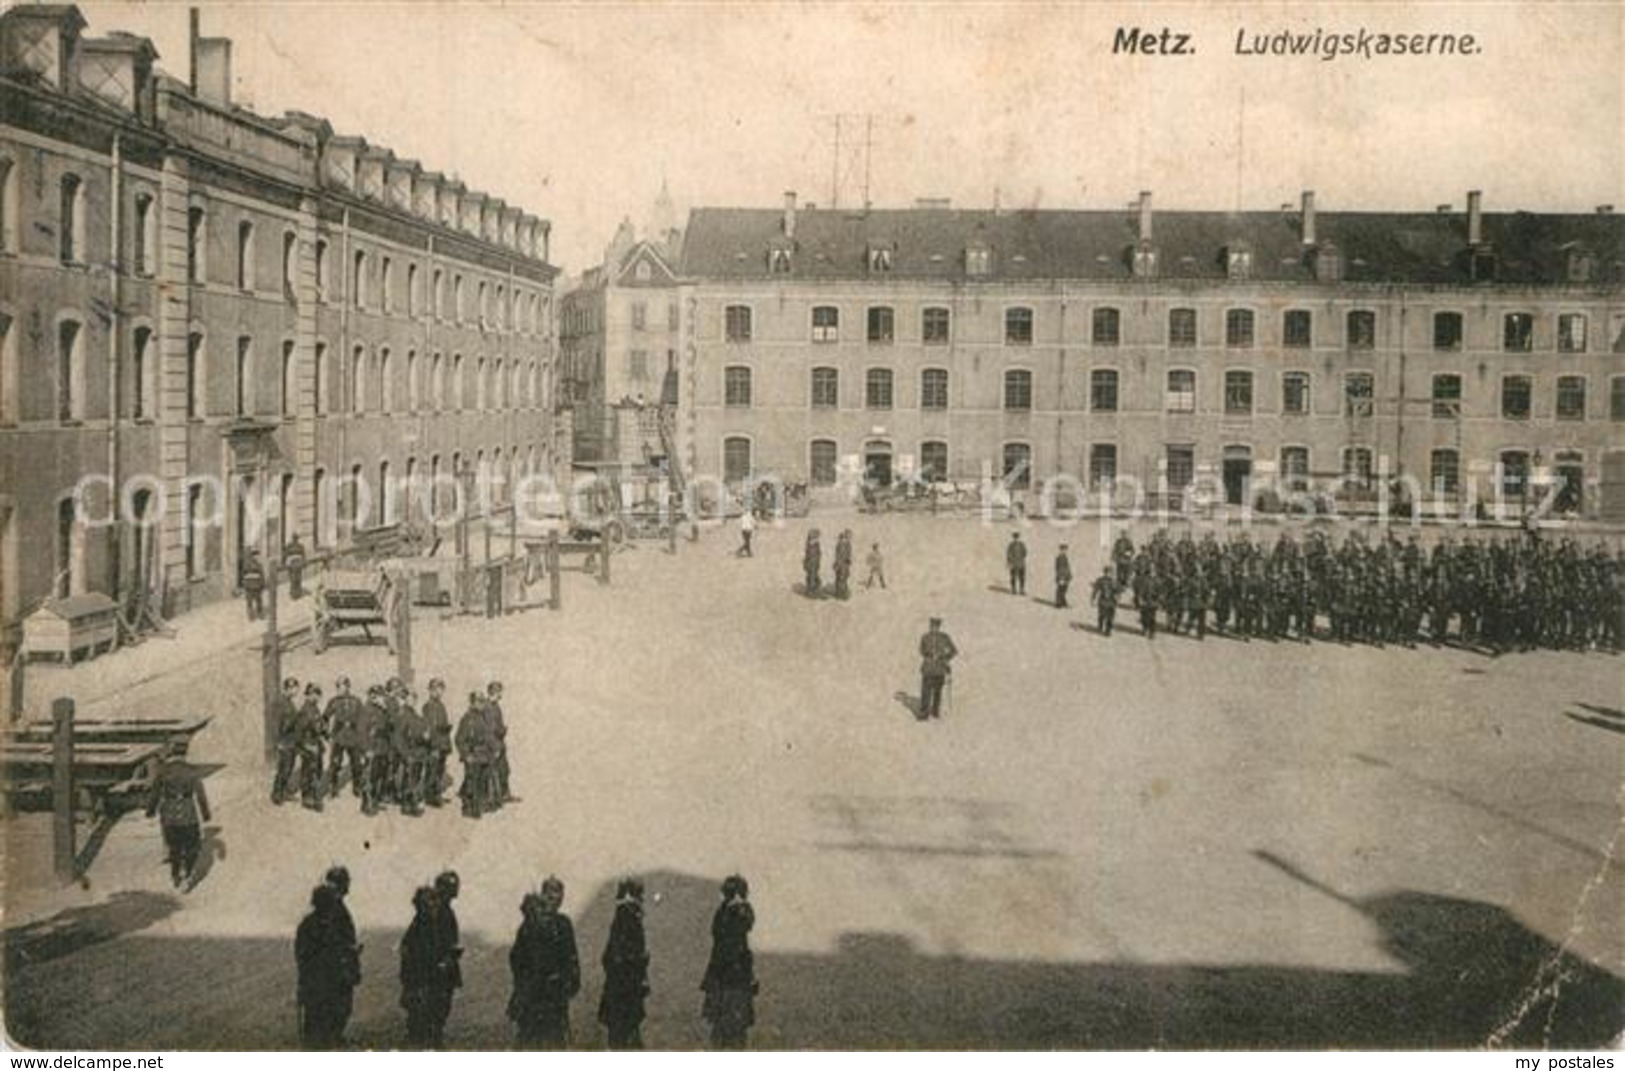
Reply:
x=546 y=970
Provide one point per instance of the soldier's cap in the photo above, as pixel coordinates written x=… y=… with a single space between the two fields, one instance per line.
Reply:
x=735 y=885
x=553 y=887
x=178 y=743
x=447 y=881
x=342 y=682
x=629 y=889
x=936 y=620
x=423 y=898
x=1063 y=546
x=313 y=689
x=436 y=684
x=338 y=877
x=493 y=688
x=290 y=682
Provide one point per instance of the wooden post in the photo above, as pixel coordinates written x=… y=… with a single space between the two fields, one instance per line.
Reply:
x=672 y=511
x=62 y=827
x=270 y=664
x=603 y=554
x=15 y=701
x=403 y=628
x=553 y=584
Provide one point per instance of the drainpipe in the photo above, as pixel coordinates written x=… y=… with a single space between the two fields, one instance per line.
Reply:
x=347 y=400
x=115 y=262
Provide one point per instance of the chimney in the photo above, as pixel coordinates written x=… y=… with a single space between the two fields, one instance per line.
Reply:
x=1475 y=217
x=214 y=70
x=1308 y=223
x=789 y=213
x=1145 y=215
x=1444 y=209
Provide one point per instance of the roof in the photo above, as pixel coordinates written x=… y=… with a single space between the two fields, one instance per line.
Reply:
x=93 y=602
x=930 y=243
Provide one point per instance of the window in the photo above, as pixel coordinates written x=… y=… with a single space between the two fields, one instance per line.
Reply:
x=196 y=244
x=1297 y=329
x=1362 y=329
x=290 y=262
x=736 y=386
x=144 y=232
x=482 y=396
x=1514 y=472
x=1518 y=332
x=414 y=301
x=71 y=237
x=1238 y=393
x=1294 y=468
x=1571 y=398
x=459 y=383
x=1018 y=390
x=8 y=369
x=1515 y=397
x=1238 y=328
x=1018 y=327
x=1357 y=467
x=8 y=205
x=1018 y=466
x=141 y=373
x=437 y=382
x=778 y=261
x=826 y=323
x=1447 y=331
x=195 y=407
x=484 y=304
x=1444 y=472
x=457 y=309
x=1106 y=327
x=358 y=283
x=1616 y=399
x=978 y=260
x=933 y=460
x=736 y=460
x=386 y=380
x=1179 y=466
x=358 y=380
x=192 y=532
x=1571 y=333
x=1359 y=388
x=1181 y=394
x=934 y=389
x=1182 y=327
x=672 y=314
x=245 y=256
x=879 y=258
x=736 y=323
x=643 y=273
x=821 y=462
x=70 y=372
x=323 y=389
x=437 y=294
x=243 y=402
x=1446 y=397
x=881 y=327
x=1295 y=393
x=321 y=269
x=637 y=364
x=934 y=327
x=1102 y=465
x=1238 y=262
x=1103 y=390
x=877 y=388
x=826 y=388
x=290 y=381
x=640 y=315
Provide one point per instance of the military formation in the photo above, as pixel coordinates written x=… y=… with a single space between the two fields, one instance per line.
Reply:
x=543 y=962
x=1500 y=594
x=389 y=749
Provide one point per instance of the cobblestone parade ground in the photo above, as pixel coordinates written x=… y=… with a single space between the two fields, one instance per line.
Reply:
x=1105 y=843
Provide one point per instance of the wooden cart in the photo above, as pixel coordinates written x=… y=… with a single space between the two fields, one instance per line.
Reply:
x=69 y=627
x=347 y=600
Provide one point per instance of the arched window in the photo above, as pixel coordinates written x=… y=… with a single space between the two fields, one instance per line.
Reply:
x=245 y=255
x=1018 y=462
x=196 y=405
x=144 y=233
x=386 y=381
x=9 y=204
x=8 y=368
x=358 y=380
x=321 y=521
x=290 y=379
x=323 y=387
x=71 y=232
x=414 y=398
x=481 y=398
x=290 y=266
x=821 y=457
x=736 y=459
x=321 y=269
x=736 y=386
x=413 y=303
x=243 y=399
x=358 y=280
x=141 y=369
x=459 y=385
x=197 y=244
x=437 y=381
x=70 y=371
x=1018 y=390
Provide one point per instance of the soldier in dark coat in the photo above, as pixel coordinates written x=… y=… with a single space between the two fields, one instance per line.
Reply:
x=546 y=970
x=474 y=749
x=843 y=565
x=1104 y=594
x=312 y=745
x=178 y=799
x=439 y=725
x=1015 y=559
x=448 y=974
x=381 y=747
x=730 y=976
x=344 y=718
x=293 y=562
x=253 y=580
x=1063 y=577
x=337 y=879
x=497 y=726
x=421 y=956
x=812 y=560
x=626 y=970
x=286 y=713
x=1146 y=599
x=937 y=653
x=324 y=955
x=411 y=746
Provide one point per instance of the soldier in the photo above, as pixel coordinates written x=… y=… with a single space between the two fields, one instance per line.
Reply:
x=747 y=528
x=286 y=714
x=312 y=744
x=843 y=564
x=1123 y=559
x=937 y=653
x=344 y=717
x=252 y=577
x=178 y=799
x=812 y=557
x=474 y=749
x=626 y=970
x=337 y=879
x=323 y=957
x=422 y=958
x=371 y=733
x=1104 y=594
x=1015 y=559
x=439 y=725
x=448 y=976
x=498 y=725
x=546 y=970
x=1146 y=598
x=381 y=747
x=730 y=975
x=877 y=567
x=1063 y=577
x=411 y=747
x=293 y=563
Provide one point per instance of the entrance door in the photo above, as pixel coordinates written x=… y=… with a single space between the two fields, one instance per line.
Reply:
x=877 y=465
x=1570 y=474
x=1238 y=473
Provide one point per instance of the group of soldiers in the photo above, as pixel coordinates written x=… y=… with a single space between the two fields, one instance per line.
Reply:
x=394 y=750
x=1503 y=594
x=812 y=562
x=543 y=962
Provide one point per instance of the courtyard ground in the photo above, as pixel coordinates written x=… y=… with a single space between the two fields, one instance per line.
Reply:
x=1105 y=843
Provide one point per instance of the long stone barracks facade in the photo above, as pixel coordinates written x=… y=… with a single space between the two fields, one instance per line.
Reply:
x=206 y=313
x=1470 y=352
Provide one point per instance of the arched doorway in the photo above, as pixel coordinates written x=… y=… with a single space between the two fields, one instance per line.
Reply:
x=1238 y=474
x=877 y=463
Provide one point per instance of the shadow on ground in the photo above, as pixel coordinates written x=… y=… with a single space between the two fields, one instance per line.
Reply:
x=1471 y=976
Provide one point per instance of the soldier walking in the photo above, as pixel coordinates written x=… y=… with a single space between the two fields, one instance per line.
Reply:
x=843 y=564
x=937 y=653
x=312 y=743
x=286 y=715
x=546 y=970
x=812 y=558
x=730 y=975
x=1015 y=559
x=474 y=749
x=877 y=567
x=324 y=957
x=421 y=962
x=626 y=970
x=293 y=563
x=252 y=577
x=439 y=726
x=497 y=726
x=178 y=799
x=448 y=974
x=1063 y=577
x=1104 y=593
x=348 y=745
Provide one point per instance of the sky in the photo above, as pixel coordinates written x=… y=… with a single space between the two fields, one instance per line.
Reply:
x=579 y=112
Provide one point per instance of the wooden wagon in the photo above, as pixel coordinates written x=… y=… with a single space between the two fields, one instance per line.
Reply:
x=348 y=600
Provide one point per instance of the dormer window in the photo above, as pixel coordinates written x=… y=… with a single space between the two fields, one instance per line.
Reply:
x=1582 y=266
x=778 y=261
x=1238 y=261
x=880 y=258
x=978 y=260
x=642 y=271
x=1481 y=264
x=1145 y=261
x=1327 y=264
